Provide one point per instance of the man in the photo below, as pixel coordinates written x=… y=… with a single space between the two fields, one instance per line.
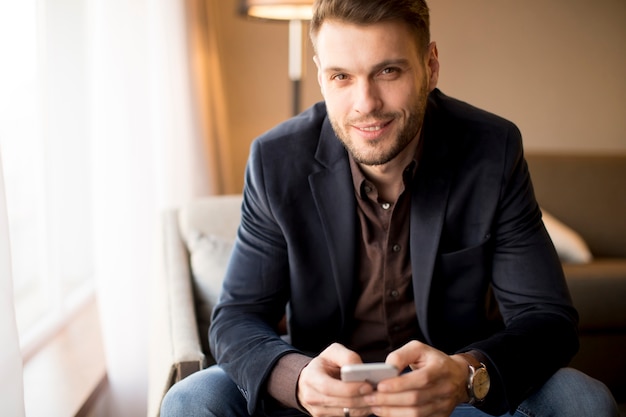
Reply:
x=394 y=224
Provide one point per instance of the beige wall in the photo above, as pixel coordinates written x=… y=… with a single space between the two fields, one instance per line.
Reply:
x=557 y=68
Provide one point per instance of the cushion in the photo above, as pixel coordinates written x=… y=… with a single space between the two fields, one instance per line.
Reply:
x=569 y=245
x=209 y=255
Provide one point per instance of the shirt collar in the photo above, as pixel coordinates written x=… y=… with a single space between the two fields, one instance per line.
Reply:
x=361 y=183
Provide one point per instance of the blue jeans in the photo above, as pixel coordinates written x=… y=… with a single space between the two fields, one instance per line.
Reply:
x=210 y=393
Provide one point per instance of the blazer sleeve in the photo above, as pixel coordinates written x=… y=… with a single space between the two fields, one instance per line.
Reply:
x=243 y=336
x=540 y=334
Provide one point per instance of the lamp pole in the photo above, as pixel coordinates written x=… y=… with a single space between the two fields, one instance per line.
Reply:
x=295 y=11
x=295 y=62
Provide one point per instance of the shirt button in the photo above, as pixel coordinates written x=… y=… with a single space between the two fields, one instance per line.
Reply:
x=396 y=248
x=394 y=293
x=385 y=206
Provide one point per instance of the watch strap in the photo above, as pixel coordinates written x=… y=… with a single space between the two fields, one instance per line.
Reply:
x=474 y=364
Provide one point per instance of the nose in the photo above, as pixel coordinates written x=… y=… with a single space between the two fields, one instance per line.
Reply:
x=367 y=98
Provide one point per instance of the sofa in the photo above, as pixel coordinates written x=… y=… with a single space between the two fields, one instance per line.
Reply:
x=583 y=195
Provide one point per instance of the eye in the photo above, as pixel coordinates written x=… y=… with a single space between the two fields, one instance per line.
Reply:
x=339 y=77
x=390 y=71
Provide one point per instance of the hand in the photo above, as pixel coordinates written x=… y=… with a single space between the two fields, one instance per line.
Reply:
x=434 y=387
x=320 y=390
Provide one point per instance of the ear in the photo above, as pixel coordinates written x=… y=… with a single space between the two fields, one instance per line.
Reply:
x=432 y=65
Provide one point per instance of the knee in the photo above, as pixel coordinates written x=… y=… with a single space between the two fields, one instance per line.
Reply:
x=571 y=392
x=206 y=393
x=189 y=396
x=595 y=397
x=176 y=401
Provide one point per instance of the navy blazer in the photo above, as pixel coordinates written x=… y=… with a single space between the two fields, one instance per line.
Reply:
x=485 y=273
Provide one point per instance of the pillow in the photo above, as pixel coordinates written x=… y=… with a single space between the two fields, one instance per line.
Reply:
x=209 y=257
x=570 y=246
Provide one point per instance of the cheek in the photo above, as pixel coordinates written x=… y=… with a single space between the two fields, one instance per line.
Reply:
x=405 y=96
x=333 y=113
x=337 y=101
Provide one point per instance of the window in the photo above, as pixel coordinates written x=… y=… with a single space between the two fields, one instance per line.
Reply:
x=46 y=156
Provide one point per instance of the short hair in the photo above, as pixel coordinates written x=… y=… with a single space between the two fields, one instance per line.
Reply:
x=364 y=12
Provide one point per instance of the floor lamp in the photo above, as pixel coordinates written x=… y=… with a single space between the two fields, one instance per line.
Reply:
x=294 y=11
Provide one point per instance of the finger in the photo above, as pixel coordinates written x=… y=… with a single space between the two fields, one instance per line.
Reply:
x=340 y=355
x=343 y=395
x=319 y=386
x=331 y=360
x=431 y=381
x=409 y=397
x=429 y=411
x=411 y=354
x=437 y=393
x=316 y=377
x=334 y=406
x=326 y=368
x=438 y=407
x=352 y=411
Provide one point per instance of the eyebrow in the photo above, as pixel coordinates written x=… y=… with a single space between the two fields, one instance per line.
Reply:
x=384 y=64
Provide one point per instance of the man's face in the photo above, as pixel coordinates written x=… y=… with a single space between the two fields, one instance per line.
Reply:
x=375 y=84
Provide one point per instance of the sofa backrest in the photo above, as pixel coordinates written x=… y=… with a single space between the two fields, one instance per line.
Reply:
x=587 y=192
x=212 y=216
x=207 y=228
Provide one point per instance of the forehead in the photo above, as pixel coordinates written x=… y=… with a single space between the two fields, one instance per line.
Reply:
x=342 y=44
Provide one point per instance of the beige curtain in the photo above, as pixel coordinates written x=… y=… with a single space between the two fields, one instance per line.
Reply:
x=11 y=383
x=208 y=92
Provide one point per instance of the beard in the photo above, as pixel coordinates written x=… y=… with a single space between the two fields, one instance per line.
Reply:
x=380 y=151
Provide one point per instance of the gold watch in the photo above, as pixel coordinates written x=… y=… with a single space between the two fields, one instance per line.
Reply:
x=478 y=381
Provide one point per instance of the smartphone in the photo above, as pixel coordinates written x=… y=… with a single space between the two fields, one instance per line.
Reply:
x=369 y=372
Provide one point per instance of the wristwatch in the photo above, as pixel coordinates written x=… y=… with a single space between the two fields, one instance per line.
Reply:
x=478 y=381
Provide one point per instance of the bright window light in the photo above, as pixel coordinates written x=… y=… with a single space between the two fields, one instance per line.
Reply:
x=46 y=157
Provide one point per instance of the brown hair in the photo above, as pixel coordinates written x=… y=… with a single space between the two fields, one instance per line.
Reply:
x=365 y=12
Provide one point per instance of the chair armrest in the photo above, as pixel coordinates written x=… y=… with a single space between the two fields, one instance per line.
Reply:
x=174 y=351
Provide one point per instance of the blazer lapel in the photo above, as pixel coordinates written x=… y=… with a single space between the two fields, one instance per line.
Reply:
x=429 y=198
x=333 y=193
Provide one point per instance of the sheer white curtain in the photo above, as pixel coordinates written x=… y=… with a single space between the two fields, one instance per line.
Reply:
x=11 y=383
x=146 y=156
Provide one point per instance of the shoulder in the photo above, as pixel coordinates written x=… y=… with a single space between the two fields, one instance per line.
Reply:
x=465 y=138
x=447 y=107
x=282 y=159
x=444 y=108
x=467 y=128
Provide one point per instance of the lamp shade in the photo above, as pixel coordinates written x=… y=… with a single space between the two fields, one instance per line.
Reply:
x=278 y=9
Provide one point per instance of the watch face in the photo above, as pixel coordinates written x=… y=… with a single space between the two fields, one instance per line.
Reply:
x=480 y=383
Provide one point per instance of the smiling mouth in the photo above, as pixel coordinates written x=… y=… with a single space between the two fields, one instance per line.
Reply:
x=372 y=127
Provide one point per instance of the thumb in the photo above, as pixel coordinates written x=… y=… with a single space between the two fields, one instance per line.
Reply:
x=340 y=355
x=412 y=354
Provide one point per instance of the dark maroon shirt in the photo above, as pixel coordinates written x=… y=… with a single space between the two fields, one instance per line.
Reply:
x=384 y=317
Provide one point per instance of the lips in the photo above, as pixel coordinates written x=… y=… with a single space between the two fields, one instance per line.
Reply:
x=371 y=130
